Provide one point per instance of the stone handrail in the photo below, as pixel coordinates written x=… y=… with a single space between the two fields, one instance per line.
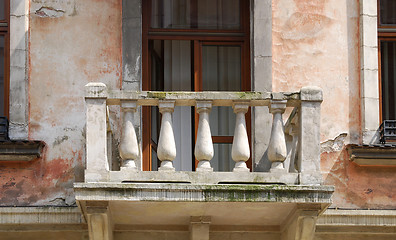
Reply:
x=303 y=127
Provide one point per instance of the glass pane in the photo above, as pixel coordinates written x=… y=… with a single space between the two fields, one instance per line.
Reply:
x=388 y=79
x=171 y=65
x=2 y=9
x=182 y=130
x=195 y=14
x=221 y=68
x=222 y=121
x=155 y=128
x=221 y=71
x=156 y=163
x=387 y=12
x=170 y=14
x=171 y=71
x=2 y=90
x=222 y=161
x=218 y=14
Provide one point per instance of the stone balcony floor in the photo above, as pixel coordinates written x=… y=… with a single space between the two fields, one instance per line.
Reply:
x=139 y=204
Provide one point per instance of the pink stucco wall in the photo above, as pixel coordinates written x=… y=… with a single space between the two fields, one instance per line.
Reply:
x=72 y=42
x=317 y=43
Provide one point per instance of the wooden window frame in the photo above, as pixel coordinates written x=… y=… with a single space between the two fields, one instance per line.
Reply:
x=5 y=31
x=386 y=32
x=199 y=37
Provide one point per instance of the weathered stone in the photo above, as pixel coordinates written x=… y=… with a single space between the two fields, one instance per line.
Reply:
x=129 y=148
x=166 y=143
x=204 y=146
x=240 y=145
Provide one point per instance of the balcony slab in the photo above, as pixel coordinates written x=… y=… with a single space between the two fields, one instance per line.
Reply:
x=133 y=176
x=172 y=204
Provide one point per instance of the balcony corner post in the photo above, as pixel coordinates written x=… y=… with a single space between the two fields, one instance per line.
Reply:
x=204 y=146
x=166 y=143
x=129 y=148
x=293 y=161
x=309 y=136
x=240 y=145
x=277 y=151
x=97 y=165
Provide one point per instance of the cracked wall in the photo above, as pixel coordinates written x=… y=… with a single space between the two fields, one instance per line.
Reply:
x=317 y=43
x=72 y=42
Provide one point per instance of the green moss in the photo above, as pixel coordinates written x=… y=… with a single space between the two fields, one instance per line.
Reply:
x=236 y=193
x=158 y=95
x=247 y=95
x=247 y=193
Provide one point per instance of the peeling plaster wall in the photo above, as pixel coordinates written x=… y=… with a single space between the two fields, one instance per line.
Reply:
x=317 y=43
x=72 y=42
x=358 y=187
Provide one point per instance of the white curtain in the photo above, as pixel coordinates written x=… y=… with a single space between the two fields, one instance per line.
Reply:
x=177 y=77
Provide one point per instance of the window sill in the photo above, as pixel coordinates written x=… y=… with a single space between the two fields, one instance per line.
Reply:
x=373 y=155
x=20 y=151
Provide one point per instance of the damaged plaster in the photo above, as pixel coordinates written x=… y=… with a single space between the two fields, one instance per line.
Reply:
x=62 y=61
x=49 y=12
x=333 y=145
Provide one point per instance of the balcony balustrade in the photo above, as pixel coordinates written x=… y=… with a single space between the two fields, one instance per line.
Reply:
x=293 y=150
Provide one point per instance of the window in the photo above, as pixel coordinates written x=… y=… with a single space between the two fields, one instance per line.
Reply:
x=4 y=56
x=191 y=45
x=387 y=58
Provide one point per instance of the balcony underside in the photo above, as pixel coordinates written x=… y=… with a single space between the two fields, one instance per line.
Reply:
x=247 y=206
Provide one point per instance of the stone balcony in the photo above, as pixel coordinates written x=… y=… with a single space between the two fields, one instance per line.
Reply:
x=286 y=199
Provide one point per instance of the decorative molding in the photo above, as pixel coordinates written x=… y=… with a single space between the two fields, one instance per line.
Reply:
x=357 y=221
x=20 y=150
x=372 y=155
x=40 y=215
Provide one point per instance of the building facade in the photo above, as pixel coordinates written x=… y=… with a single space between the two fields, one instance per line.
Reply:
x=187 y=119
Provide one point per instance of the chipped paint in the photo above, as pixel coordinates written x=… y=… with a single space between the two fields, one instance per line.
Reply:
x=357 y=186
x=50 y=12
x=67 y=50
x=316 y=43
x=333 y=145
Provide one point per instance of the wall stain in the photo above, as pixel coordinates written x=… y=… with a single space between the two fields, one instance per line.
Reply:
x=59 y=140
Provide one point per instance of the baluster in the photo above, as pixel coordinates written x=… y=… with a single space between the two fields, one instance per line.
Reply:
x=277 y=151
x=166 y=151
x=129 y=149
x=204 y=146
x=240 y=146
